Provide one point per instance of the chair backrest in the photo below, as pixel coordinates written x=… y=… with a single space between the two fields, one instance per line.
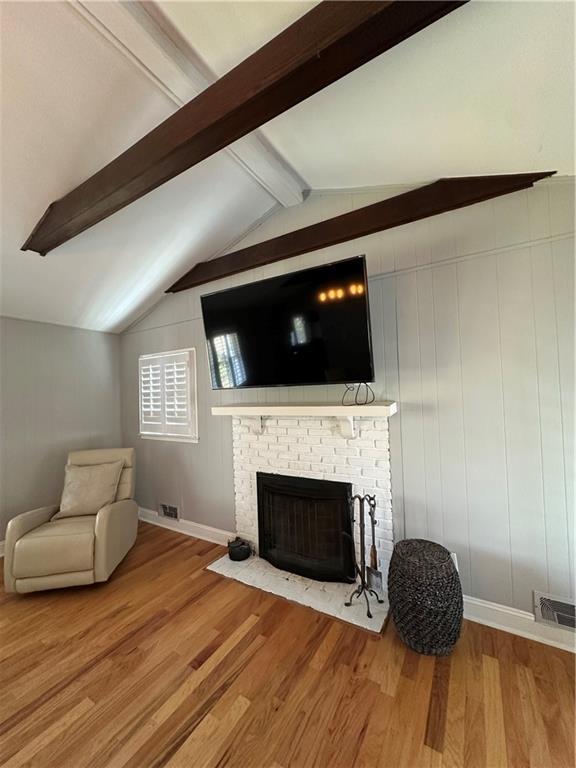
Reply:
x=106 y=456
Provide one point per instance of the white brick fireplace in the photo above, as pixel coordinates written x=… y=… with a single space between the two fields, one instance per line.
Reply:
x=328 y=442
x=311 y=447
x=344 y=444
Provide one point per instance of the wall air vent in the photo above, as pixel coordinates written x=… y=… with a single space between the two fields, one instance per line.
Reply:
x=550 y=609
x=167 y=510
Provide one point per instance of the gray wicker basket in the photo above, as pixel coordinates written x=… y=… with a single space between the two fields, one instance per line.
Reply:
x=425 y=596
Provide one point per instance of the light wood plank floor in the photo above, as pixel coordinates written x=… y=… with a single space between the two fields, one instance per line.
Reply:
x=171 y=665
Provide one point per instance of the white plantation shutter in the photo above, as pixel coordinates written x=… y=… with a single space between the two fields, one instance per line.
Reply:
x=168 y=395
x=150 y=393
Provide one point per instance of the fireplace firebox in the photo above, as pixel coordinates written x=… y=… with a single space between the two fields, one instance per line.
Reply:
x=304 y=526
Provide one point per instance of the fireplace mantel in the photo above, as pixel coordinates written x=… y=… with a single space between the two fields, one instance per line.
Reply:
x=344 y=414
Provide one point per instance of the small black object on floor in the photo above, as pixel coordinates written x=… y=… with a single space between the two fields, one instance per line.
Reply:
x=238 y=549
x=425 y=596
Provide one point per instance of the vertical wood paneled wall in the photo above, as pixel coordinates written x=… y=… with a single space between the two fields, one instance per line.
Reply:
x=486 y=397
x=473 y=330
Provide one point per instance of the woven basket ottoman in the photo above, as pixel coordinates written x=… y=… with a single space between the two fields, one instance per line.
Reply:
x=425 y=596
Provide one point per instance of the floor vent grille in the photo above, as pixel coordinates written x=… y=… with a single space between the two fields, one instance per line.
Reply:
x=167 y=510
x=550 y=609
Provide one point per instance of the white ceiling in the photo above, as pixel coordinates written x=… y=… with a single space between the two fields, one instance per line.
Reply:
x=487 y=89
x=70 y=103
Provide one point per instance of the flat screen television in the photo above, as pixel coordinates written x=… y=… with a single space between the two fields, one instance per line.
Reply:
x=307 y=327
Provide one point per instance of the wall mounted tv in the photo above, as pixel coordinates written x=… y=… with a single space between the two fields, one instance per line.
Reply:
x=307 y=327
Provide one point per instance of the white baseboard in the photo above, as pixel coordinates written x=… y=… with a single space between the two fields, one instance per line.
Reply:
x=494 y=615
x=187 y=527
x=518 y=622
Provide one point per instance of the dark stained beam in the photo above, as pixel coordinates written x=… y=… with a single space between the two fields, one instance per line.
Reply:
x=439 y=197
x=330 y=41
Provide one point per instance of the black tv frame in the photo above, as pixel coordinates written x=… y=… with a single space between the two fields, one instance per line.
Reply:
x=362 y=257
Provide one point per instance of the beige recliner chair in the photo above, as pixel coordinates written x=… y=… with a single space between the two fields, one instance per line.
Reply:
x=46 y=553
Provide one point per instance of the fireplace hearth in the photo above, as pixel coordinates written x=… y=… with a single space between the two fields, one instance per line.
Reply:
x=304 y=526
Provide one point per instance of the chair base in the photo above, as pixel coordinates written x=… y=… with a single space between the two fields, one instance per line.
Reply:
x=55 y=581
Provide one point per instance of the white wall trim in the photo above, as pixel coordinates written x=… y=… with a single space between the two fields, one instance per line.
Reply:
x=147 y=41
x=517 y=622
x=187 y=527
x=474 y=255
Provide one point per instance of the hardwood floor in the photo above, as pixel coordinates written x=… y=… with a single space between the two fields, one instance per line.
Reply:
x=171 y=665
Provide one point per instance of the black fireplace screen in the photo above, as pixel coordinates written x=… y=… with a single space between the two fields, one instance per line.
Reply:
x=304 y=526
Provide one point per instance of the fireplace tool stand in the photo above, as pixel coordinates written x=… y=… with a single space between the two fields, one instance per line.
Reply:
x=362 y=588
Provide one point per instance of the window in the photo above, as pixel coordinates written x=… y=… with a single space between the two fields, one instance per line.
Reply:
x=168 y=396
x=226 y=363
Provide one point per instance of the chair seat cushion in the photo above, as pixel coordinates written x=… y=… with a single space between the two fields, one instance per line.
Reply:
x=60 y=546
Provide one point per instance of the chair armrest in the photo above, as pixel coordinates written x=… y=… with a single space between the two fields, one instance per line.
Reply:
x=115 y=534
x=17 y=527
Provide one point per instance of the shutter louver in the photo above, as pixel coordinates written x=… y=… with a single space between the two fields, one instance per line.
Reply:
x=151 y=394
x=167 y=404
x=176 y=389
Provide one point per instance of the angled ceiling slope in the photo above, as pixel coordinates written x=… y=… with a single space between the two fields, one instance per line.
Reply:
x=488 y=89
x=143 y=34
x=71 y=101
x=330 y=41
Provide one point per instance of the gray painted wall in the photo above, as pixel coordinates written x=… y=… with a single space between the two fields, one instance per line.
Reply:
x=58 y=391
x=473 y=333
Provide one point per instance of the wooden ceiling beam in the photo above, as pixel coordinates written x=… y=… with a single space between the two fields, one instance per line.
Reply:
x=438 y=197
x=330 y=41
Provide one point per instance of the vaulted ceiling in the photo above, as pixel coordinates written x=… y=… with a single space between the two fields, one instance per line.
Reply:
x=488 y=89
x=71 y=101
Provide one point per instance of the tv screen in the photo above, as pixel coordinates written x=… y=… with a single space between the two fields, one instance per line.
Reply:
x=308 y=327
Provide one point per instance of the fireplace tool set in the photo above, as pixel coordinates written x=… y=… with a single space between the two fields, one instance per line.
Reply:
x=370 y=576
